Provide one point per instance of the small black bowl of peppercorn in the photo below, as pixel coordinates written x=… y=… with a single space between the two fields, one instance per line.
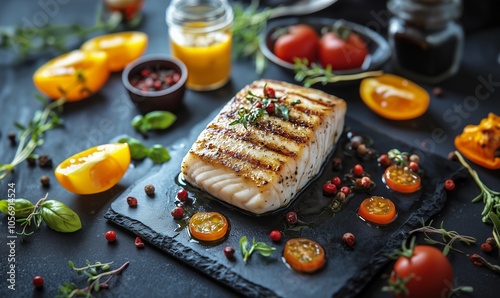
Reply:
x=156 y=83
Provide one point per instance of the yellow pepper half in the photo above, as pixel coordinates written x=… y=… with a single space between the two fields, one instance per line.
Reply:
x=122 y=47
x=74 y=75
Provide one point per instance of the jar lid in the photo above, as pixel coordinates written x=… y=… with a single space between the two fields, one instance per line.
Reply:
x=426 y=12
x=199 y=15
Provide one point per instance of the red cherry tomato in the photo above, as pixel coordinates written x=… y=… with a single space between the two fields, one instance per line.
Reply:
x=428 y=270
x=341 y=53
x=300 y=41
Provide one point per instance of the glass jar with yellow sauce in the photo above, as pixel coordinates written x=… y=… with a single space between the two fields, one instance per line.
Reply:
x=200 y=33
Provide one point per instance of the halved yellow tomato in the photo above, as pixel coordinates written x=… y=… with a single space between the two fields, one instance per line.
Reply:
x=75 y=75
x=402 y=179
x=94 y=170
x=208 y=226
x=378 y=210
x=394 y=97
x=122 y=47
x=304 y=255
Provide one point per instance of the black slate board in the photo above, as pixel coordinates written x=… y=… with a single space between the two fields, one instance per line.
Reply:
x=346 y=271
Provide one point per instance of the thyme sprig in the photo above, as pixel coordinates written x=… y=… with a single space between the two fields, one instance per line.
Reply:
x=262 y=105
x=52 y=36
x=490 y=198
x=448 y=237
x=98 y=277
x=31 y=136
x=248 y=25
x=314 y=74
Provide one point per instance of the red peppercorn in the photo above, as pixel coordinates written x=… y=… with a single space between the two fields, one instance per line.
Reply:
x=329 y=189
x=182 y=195
x=349 y=239
x=336 y=163
x=38 y=281
x=291 y=217
x=345 y=190
x=229 y=252
x=138 y=242
x=270 y=108
x=110 y=236
x=132 y=202
x=145 y=72
x=358 y=170
x=269 y=92
x=177 y=212
x=384 y=160
x=275 y=235
x=486 y=247
x=449 y=184
x=413 y=166
x=366 y=182
x=336 y=180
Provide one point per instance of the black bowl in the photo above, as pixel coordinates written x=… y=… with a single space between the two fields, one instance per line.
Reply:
x=169 y=99
x=378 y=48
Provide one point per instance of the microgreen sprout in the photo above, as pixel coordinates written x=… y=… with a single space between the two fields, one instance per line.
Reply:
x=98 y=277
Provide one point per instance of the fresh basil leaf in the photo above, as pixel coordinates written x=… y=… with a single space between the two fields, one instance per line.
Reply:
x=138 y=150
x=264 y=249
x=244 y=245
x=22 y=207
x=60 y=217
x=139 y=123
x=159 y=154
x=160 y=119
x=4 y=206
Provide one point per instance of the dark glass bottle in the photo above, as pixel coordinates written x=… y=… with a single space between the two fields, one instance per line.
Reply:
x=425 y=38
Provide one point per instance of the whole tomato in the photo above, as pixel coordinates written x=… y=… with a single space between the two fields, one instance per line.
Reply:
x=299 y=41
x=342 y=53
x=426 y=273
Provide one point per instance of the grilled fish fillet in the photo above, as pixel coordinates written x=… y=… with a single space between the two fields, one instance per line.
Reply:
x=262 y=167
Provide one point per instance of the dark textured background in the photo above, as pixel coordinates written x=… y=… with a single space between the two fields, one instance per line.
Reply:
x=107 y=114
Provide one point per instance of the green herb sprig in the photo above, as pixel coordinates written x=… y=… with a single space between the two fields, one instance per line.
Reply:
x=448 y=237
x=55 y=214
x=259 y=107
x=490 y=198
x=138 y=151
x=248 y=25
x=314 y=74
x=260 y=247
x=52 y=36
x=98 y=277
x=31 y=136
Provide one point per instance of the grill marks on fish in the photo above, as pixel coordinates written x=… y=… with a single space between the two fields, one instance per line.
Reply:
x=261 y=168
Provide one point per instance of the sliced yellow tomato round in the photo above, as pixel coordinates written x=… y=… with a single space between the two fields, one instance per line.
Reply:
x=394 y=97
x=208 y=226
x=122 y=47
x=304 y=255
x=94 y=170
x=402 y=179
x=377 y=210
x=76 y=75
